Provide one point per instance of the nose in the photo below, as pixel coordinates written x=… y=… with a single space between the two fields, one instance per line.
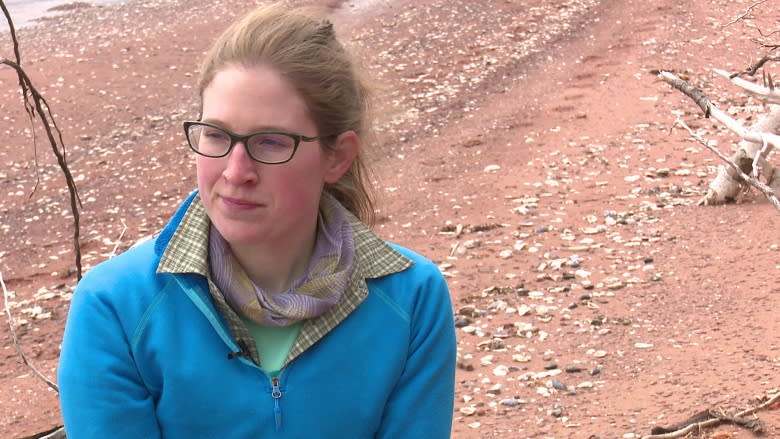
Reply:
x=240 y=168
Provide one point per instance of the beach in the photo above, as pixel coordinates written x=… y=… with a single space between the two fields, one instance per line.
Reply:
x=26 y=12
x=523 y=146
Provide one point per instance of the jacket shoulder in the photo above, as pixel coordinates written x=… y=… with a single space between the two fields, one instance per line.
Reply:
x=132 y=273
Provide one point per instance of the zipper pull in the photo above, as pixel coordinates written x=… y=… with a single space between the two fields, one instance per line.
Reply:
x=276 y=394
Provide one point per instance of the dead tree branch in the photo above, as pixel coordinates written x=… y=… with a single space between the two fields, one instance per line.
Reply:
x=752 y=69
x=713 y=418
x=40 y=108
x=746 y=13
x=12 y=326
x=766 y=190
x=735 y=176
x=767 y=94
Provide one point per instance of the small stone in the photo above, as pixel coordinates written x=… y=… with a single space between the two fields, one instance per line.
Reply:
x=572 y=368
x=558 y=385
x=468 y=411
x=495 y=390
x=582 y=274
x=501 y=371
x=521 y=358
x=462 y=322
x=510 y=402
x=468 y=310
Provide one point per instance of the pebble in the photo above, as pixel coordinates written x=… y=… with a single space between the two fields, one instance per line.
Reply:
x=501 y=371
x=510 y=402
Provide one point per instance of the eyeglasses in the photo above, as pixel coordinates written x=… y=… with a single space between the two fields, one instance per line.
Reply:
x=269 y=147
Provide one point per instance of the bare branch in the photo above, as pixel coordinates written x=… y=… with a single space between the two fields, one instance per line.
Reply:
x=711 y=110
x=766 y=94
x=766 y=190
x=41 y=108
x=118 y=240
x=689 y=90
x=699 y=426
x=12 y=325
x=746 y=13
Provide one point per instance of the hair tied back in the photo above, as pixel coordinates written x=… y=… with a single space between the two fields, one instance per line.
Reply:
x=325 y=30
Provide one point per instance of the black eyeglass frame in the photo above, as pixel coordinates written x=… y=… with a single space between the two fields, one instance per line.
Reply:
x=235 y=138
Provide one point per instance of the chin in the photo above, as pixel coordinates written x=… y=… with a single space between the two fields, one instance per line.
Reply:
x=236 y=232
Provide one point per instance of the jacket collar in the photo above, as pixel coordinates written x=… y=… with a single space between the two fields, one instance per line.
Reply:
x=183 y=245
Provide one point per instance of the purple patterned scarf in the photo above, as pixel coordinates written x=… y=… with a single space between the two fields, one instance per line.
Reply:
x=311 y=295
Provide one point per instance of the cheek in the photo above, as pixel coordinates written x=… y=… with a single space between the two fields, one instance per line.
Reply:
x=207 y=172
x=296 y=189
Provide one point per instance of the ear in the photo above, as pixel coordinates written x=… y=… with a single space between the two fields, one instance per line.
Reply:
x=341 y=155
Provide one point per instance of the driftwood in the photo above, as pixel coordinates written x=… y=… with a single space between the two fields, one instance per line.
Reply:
x=711 y=418
x=36 y=107
x=750 y=160
x=56 y=432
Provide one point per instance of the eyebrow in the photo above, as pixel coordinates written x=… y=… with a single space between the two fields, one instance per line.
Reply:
x=224 y=126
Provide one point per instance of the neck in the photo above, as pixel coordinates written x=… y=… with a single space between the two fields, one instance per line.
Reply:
x=274 y=267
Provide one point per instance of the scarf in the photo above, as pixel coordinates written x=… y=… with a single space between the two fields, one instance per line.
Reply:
x=321 y=286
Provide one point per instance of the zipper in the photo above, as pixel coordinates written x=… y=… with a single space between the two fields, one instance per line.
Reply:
x=276 y=394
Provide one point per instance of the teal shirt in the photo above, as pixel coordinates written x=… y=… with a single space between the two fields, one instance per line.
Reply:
x=273 y=343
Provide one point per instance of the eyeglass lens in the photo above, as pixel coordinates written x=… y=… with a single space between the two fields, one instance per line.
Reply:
x=263 y=147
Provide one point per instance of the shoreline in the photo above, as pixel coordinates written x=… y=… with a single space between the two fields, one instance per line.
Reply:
x=27 y=14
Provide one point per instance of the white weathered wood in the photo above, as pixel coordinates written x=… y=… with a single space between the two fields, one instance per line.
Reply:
x=759 y=139
x=759 y=91
x=755 y=145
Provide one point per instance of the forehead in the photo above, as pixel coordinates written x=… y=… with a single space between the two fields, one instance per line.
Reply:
x=246 y=99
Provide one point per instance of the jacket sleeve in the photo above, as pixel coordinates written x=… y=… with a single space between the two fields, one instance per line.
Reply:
x=101 y=391
x=421 y=405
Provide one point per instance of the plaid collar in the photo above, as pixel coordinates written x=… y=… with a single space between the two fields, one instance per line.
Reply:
x=187 y=252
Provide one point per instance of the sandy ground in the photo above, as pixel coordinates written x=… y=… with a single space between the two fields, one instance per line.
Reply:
x=525 y=146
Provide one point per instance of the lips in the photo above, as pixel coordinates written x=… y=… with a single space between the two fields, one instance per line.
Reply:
x=239 y=203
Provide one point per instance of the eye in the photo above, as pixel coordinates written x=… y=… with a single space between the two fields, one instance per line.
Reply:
x=271 y=141
x=214 y=134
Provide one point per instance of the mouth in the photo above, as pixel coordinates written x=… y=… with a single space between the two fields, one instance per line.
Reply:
x=239 y=203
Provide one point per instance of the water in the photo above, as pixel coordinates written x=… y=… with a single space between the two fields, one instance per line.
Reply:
x=24 y=12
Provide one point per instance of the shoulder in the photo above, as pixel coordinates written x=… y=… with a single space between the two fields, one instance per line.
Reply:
x=138 y=261
x=420 y=265
x=125 y=282
x=420 y=283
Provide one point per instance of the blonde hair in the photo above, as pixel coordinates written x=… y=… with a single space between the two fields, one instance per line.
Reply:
x=303 y=48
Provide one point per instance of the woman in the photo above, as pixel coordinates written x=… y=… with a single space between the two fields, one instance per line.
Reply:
x=265 y=308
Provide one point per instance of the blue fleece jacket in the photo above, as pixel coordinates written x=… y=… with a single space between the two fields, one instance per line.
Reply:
x=144 y=355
